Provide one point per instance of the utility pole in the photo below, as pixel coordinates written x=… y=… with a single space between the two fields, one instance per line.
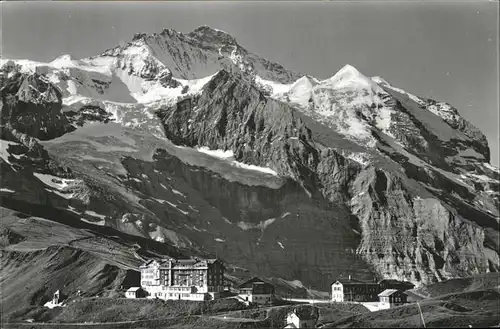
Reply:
x=421 y=315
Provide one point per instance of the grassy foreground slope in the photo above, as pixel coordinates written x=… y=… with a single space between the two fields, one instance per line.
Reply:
x=39 y=256
x=459 y=310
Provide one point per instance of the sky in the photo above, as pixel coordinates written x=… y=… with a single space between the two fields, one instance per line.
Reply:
x=445 y=50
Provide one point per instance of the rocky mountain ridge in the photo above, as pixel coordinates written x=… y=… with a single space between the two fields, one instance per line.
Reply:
x=192 y=141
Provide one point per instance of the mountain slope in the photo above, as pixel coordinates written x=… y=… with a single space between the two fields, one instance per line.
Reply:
x=232 y=115
x=194 y=142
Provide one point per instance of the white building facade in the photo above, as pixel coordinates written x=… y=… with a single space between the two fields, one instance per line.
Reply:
x=337 y=292
x=187 y=279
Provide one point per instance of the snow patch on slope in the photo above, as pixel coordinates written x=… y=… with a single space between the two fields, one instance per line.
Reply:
x=51 y=304
x=275 y=87
x=100 y=78
x=4 y=145
x=491 y=167
x=228 y=155
x=55 y=182
x=262 y=225
x=155 y=92
x=94 y=214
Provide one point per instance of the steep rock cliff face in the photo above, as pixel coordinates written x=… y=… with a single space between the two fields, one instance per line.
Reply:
x=32 y=105
x=264 y=230
x=259 y=131
x=405 y=231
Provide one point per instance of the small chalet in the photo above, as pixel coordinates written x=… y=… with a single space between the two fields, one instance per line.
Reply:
x=302 y=318
x=59 y=297
x=391 y=297
x=256 y=291
x=135 y=292
x=57 y=300
x=56 y=297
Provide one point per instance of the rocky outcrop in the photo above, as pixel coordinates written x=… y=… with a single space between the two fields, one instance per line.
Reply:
x=32 y=105
x=88 y=113
x=165 y=78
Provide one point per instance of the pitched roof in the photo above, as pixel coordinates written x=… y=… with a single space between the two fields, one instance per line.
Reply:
x=133 y=289
x=165 y=261
x=392 y=281
x=182 y=261
x=147 y=263
x=388 y=292
x=351 y=281
x=188 y=261
x=254 y=280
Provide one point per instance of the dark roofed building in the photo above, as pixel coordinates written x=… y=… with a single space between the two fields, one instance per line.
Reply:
x=257 y=291
x=392 y=297
x=395 y=284
x=351 y=290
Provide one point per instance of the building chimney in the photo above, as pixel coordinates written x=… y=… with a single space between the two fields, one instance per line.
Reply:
x=349 y=277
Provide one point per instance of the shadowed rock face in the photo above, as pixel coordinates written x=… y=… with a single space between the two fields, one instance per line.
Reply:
x=258 y=130
x=267 y=231
x=404 y=230
x=32 y=105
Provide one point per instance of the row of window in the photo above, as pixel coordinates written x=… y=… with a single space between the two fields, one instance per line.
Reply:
x=262 y=297
x=394 y=300
x=361 y=289
x=170 y=294
x=149 y=283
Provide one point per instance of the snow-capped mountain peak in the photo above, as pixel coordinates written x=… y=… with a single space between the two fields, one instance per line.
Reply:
x=349 y=77
x=62 y=60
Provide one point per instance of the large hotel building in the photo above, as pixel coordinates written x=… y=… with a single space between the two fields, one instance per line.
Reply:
x=191 y=279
